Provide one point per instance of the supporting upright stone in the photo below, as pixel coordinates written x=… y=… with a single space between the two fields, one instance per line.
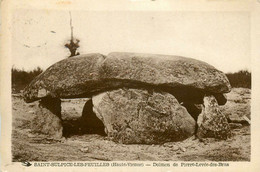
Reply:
x=71 y=109
x=48 y=118
x=211 y=122
x=140 y=116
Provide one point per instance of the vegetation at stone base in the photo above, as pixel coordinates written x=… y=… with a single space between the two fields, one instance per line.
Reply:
x=21 y=78
x=240 y=79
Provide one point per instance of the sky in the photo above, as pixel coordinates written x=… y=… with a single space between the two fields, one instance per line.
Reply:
x=221 y=39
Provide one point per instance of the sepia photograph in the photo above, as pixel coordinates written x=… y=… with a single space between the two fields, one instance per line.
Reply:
x=130 y=86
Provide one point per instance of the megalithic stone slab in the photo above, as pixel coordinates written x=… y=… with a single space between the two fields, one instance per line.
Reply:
x=141 y=116
x=211 y=122
x=164 y=70
x=47 y=120
x=68 y=78
x=87 y=75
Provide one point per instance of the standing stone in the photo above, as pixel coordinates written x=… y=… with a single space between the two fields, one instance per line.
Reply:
x=48 y=118
x=71 y=114
x=142 y=116
x=211 y=122
x=71 y=109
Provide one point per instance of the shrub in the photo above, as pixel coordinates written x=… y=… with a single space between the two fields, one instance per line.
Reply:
x=21 y=78
x=241 y=78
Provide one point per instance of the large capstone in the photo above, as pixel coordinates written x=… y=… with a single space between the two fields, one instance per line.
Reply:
x=48 y=118
x=143 y=116
x=68 y=78
x=88 y=75
x=212 y=123
x=164 y=71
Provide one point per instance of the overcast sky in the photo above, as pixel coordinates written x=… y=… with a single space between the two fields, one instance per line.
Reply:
x=221 y=39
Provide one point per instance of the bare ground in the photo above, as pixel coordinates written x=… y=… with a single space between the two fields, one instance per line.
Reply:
x=27 y=146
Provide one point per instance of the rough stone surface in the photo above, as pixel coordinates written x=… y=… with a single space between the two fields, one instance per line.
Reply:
x=68 y=78
x=87 y=75
x=142 y=116
x=47 y=119
x=212 y=123
x=71 y=109
x=164 y=70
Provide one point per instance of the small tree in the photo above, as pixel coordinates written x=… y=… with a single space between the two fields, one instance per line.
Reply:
x=73 y=44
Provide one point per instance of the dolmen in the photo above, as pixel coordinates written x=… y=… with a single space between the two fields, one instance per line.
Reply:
x=139 y=98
